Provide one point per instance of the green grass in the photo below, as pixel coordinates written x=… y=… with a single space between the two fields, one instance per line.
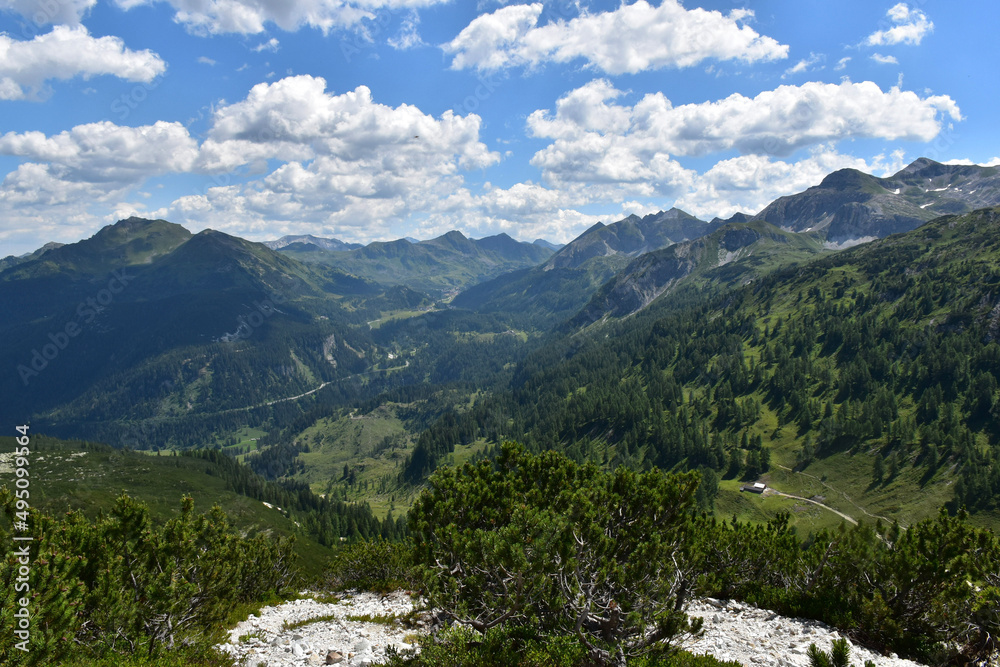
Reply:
x=308 y=621
x=66 y=476
x=393 y=315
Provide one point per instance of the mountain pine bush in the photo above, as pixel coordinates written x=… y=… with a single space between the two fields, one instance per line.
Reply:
x=570 y=550
x=122 y=585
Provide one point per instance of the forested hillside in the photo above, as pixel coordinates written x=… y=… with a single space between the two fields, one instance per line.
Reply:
x=888 y=351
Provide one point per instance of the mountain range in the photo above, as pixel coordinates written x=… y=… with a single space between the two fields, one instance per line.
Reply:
x=149 y=336
x=846 y=208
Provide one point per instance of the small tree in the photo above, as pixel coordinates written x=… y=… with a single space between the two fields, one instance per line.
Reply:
x=564 y=548
x=839 y=655
x=878 y=469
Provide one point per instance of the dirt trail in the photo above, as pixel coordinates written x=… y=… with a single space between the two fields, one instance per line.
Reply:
x=844 y=495
x=775 y=492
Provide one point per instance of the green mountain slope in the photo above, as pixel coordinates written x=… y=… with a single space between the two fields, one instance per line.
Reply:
x=145 y=335
x=736 y=253
x=10 y=260
x=811 y=376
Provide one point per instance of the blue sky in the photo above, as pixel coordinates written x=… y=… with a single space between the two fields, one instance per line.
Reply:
x=377 y=119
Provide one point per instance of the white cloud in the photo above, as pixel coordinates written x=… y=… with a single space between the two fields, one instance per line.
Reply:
x=270 y=45
x=842 y=63
x=631 y=39
x=296 y=111
x=347 y=160
x=67 y=52
x=103 y=154
x=205 y=60
x=602 y=145
x=804 y=65
x=884 y=60
x=251 y=16
x=994 y=162
x=408 y=36
x=904 y=26
x=46 y=12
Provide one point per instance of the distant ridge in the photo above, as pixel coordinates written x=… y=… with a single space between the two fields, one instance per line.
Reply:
x=438 y=266
x=309 y=239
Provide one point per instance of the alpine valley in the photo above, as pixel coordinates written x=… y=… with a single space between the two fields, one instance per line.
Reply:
x=840 y=346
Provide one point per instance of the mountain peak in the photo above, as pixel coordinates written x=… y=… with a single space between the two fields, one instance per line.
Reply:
x=453 y=236
x=918 y=165
x=845 y=179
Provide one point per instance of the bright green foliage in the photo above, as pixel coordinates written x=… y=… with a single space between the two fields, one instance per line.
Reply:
x=505 y=646
x=745 y=560
x=53 y=608
x=125 y=586
x=377 y=565
x=499 y=647
x=839 y=655
x=543 y=542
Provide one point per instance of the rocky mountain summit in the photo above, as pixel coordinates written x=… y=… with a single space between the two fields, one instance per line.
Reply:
x=849 y=205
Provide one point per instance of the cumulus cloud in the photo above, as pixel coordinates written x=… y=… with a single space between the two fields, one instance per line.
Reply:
x=629 y=39
x=599 y=142
x=297 y=113
x=904 y=26
x=347 y=160
x=104 y=154
x=842 y=63
x=343 y=159
x=67 y=52
x=46 y=12
x=993 y=162
x=251 y=16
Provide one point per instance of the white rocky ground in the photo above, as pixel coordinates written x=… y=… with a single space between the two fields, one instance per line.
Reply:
x=263 y=640
x=732 y=631
x=752 y=636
